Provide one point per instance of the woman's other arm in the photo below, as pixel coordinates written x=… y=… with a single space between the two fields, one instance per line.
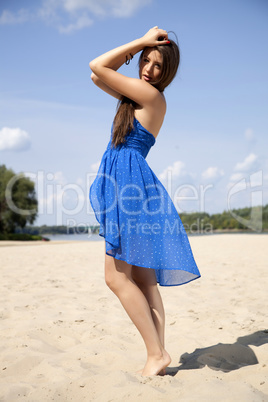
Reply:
x=97 y=81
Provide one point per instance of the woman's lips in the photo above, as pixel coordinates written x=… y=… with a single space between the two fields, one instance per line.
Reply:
x=147 y=78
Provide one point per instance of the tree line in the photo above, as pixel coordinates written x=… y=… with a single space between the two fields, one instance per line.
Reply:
x=197 y=222
x=18 y=204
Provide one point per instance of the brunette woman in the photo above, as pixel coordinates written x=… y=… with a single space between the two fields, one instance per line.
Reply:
x=145 y=241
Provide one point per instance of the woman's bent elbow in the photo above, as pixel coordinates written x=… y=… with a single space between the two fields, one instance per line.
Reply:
x=92 y=65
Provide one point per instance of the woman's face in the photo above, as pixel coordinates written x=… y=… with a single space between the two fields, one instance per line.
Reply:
x=151 y=66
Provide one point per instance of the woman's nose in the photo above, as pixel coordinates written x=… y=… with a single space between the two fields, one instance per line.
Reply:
x=149 y=67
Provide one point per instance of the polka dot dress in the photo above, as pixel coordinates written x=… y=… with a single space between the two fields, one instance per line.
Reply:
x=137 y=216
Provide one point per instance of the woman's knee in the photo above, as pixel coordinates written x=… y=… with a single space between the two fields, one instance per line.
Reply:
x=111 y=281
x=115 y=276
x=110 y=277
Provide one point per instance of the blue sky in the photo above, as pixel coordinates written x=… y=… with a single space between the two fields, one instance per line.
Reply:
x=211 y=153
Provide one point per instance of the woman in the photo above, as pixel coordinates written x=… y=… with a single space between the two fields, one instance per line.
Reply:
x=144 y=237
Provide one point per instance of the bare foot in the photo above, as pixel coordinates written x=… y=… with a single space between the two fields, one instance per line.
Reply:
x=162 y=372
x=155 y=365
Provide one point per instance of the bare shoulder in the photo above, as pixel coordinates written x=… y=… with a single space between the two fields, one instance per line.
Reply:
x=152 y=116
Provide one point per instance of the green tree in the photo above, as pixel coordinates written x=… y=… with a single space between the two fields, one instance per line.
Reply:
x=18 y=203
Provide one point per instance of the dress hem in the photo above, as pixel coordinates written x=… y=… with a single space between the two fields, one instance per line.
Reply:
x=155 y=269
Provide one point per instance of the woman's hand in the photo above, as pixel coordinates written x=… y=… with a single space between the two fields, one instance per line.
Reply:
x=151 y=38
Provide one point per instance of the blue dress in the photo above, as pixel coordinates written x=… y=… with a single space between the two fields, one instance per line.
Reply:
x=136 y=214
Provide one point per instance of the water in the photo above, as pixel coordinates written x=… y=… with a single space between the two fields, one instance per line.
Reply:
x=74 y=237
x=96 y=237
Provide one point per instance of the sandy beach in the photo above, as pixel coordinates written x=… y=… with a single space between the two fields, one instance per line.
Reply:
x=65 y=336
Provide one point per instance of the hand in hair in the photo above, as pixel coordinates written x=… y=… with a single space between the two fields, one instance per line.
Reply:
x=155 y=36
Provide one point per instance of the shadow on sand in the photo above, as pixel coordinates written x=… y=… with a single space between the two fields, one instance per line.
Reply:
x=224 y=357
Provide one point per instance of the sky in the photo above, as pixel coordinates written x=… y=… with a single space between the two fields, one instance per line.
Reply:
x=211 y=153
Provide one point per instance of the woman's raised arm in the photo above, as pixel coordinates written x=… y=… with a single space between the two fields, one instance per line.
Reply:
x=105 y=66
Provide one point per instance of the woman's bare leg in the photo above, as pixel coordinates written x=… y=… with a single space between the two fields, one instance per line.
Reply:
x=119 y=278
x=146 y=280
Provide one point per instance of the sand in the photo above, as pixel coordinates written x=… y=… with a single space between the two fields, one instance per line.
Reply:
x=65 y=337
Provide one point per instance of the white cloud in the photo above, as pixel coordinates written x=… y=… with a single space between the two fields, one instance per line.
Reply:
x=249 y=163
x=126 y=8
x=213 y=174
x=237 y=181
x=246 y=176
x=236 y=177
x=14 y=139
x=82 y=22
x=8 y=18
x=175 y=171
x=73 y=15
x=116 y=8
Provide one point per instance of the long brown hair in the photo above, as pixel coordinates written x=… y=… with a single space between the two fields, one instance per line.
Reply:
x=123 y=121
